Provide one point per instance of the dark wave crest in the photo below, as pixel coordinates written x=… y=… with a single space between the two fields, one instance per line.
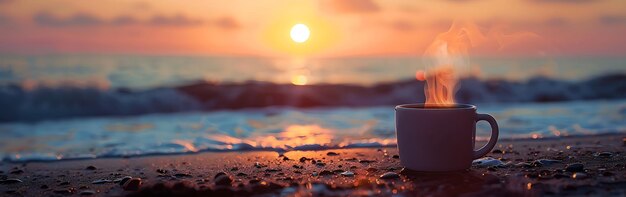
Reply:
x=43 y=103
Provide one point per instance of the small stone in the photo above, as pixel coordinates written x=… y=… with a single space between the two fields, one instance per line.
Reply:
x=303 y=159
x=182 y=175
x=101 y=181
x=10 y=181
x=325 y=173
x=604 y=154
x=396 y=156
x=91 y=168
x=580 y=175
x=17 y=172
x=545 y=162
x=64 y=183
x=337 y=171
x=87 y=192
x=332 y=153
x=44 y=187
x=366 y=161
x=297 y=167
x=259 y=165
x=224 y=180
x=371 y=169
x=122 y=180
x=132 y=184
x=347 y=174
x=219 y=174
x=575 y=167
x=320 y=164
x=161 y=171
x=234 y=169
x=272 y=170
x=285 y=158
x=488 y=162
x=390 y=175
x=242 y=174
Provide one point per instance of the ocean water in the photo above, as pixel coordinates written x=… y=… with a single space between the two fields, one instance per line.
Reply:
x=281 y=129
x=143 y=72
x=56 y=107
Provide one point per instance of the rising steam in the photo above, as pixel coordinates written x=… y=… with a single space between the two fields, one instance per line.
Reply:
x=447 y=58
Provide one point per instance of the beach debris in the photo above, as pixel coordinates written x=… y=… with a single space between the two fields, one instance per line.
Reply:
x=10 y=181
x=332 y=153
x=101 y=181
x=347 y=174
x=575 y=167
x=122 y=180
x=87 y=192
x=325 y=173
x=223 y=179
x=580 y=175
x=161 y=171
x=91 y=168
x=132 y=184
x=390 y=175
x=604 y=154
x=488 y=162
x=396 y=156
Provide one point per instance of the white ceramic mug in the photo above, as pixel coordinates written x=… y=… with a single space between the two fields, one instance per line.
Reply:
x=440 y=138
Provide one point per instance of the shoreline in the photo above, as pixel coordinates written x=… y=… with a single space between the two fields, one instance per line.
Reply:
x=479 y=143
x=518 y=168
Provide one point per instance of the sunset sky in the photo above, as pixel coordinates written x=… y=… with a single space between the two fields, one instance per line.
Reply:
x=338 y=28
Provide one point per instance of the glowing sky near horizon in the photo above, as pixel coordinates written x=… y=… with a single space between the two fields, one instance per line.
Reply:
x=338 y=28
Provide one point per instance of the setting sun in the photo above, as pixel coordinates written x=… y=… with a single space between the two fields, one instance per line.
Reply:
x=299 y=80
x=300 y=33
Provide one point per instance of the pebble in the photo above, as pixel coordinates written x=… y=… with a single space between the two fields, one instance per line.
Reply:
x=272 y=170
x=347 y=174
x=488 y=162
x=604 y=154
x=325 y=173
x=44 y=187
x=91 y=168
x=219 y=174
x=234 y=169
x=545 y=162
x=580 y=175
x=575 y=167
x=396 y=156
x=297 y=167
x=17 y=171
x=161 y=171
x=366 y=161
x=10 y=181
x=182 y=175
x=224 y=180
x=132 y=184
x=87 y=192
x=332 y=154
x=390 y=175
x=101 y=181
x=320 y=164
x=122 y=180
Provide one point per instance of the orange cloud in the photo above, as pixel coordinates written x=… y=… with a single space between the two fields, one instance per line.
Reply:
x=351 y=6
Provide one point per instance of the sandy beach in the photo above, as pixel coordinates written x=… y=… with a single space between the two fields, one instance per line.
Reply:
x=577 y=165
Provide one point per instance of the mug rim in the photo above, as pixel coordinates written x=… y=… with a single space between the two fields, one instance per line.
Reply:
x=420 y=107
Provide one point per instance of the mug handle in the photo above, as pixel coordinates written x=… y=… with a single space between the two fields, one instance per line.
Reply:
x=494 y=135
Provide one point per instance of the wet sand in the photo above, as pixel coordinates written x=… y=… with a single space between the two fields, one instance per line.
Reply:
x=583 y=165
